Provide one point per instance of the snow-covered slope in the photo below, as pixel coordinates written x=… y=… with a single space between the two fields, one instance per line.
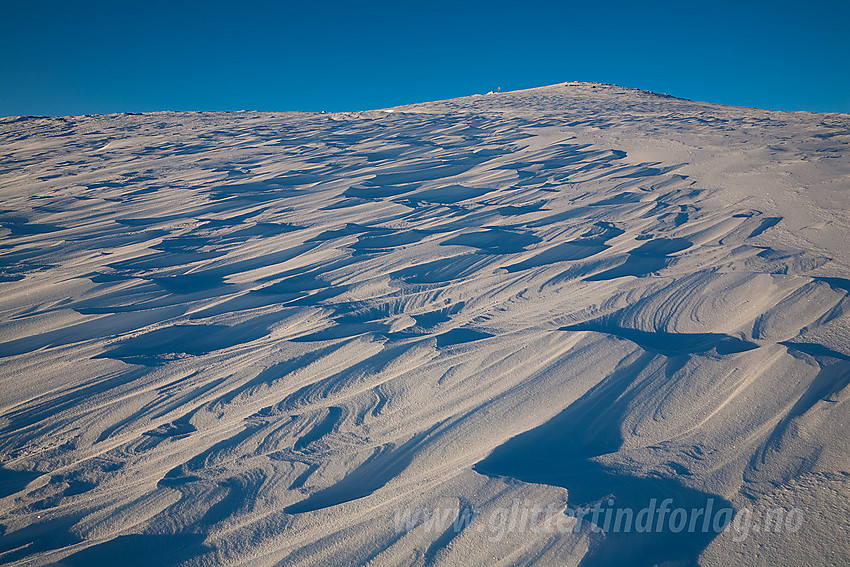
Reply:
x=294 y=339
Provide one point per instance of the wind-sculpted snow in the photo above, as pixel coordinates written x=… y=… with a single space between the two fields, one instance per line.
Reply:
x=261 y=339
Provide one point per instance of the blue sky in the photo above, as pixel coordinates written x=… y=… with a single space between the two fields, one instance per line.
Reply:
x=80 y=57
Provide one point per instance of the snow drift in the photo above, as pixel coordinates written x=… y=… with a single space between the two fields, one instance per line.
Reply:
x=262 y=339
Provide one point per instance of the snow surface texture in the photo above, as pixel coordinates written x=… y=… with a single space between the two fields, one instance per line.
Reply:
x=251 y=338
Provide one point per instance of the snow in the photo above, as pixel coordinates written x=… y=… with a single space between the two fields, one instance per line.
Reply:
x=256 y=338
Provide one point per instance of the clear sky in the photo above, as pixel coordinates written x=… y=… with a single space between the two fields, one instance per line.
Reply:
x=61 y=57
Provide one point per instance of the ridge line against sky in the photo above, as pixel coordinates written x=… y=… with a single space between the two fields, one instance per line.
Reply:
x=95 y=57
x=502 y=92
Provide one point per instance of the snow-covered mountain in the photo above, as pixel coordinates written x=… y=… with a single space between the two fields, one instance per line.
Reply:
x=387 y=337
